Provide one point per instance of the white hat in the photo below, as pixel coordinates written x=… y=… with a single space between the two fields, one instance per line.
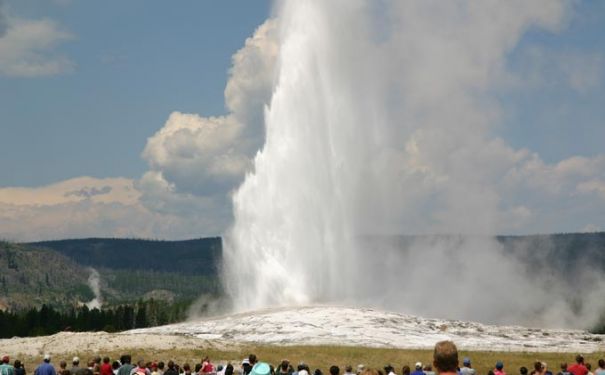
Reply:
x=47 y=357
x=418 y=364
x=75 y=360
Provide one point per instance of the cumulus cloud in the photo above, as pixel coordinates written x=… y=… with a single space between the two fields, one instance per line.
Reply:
x=28 y=47
x=196 y=161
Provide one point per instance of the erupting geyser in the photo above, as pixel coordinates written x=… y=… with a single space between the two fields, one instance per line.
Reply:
x=380 y=124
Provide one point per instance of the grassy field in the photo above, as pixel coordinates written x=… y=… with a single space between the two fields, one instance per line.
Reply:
x=324 y=356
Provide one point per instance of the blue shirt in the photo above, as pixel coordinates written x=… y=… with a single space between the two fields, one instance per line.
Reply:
x=45 y=369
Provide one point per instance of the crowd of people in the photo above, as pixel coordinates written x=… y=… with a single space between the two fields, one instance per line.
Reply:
x=445 y=362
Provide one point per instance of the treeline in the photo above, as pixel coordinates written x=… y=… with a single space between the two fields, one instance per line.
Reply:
x=47 y=320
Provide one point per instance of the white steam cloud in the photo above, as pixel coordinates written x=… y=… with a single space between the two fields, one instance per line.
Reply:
x=94 y=282
x=381 y=123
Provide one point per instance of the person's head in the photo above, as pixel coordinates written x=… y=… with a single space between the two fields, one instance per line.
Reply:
x=229 y=369
x=17 y=364
x=63 y=364
x=186 y=367
x=114 y=365
x=564 y=366
x=589 y=366
x=126 y=359
x=428 y=367
x=490 y=372
x=97 y=359
x=141 y=363
x=405 y=370
x=466 y=362
x=171 y=364
x=317 y=372
x=388 y=369
x=252 y=359
x=47 y=358
x=538 y=366
x=334 y=370
x=580 y=358
x=161 y=365
x=348 y=368
x=105 y=359
x=91 y=363
x=499 y=365
x=6 y=359
x=284 y=365
x=523 y=370
x=418 y=366
x=445 y=357
x=602 y=363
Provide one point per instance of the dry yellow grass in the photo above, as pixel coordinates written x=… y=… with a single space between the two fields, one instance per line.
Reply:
x=324 y=356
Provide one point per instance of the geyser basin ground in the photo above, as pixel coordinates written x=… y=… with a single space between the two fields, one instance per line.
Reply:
x=332 y=325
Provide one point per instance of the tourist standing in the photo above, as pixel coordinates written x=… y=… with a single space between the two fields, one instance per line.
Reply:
x=45 y=368
x=445 y=358
x=6 y=368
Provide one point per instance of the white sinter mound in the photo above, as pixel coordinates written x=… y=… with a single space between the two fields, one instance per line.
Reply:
x=373 y=328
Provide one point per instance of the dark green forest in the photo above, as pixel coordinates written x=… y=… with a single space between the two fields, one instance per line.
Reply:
x=47 y=320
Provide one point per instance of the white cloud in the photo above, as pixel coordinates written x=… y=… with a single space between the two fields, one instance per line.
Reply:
x=27 y=47
x=195 y=161
x=84 y=207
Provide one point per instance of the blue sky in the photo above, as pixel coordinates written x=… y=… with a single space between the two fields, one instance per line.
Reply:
x=135 y=63
x=114 y=113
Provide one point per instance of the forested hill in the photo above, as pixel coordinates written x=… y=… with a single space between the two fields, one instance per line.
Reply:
x=190 y=257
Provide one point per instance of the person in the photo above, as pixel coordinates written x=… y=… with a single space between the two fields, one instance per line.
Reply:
x=499 y=370
x=563 y=369
x=187 y=369
x=589 y=368
x=418 y=369
x=334 y=370
x=260 y=368
x=349 y=370
x=599 y=371
x=252 y=359
x=141 y=368
x=360 y=369
x=538 y=369
x=405 y=370
x=523 y=370
x=246 y=368
x=284 y=368
x=428 y=369
x=6 y=368
x=106 y=368
x=229 y=369
x=207 y=367
x=445 y=358
x=578 y=368
x=171 y=369
x=63 y=368
x=75 y=365
x=467 y=368
x=45 y=368
x=126 y=365
x=115 y=366
x=389 y=370
x=19 y=367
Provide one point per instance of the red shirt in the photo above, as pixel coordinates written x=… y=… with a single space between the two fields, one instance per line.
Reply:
x=106 y=369
x=577 y=369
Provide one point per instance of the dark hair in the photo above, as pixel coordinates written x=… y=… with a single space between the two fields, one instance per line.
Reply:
x=198 y=367
x=284 y=365
x=126 y=358
x=538 y=366
x=589 y=366
x=334 y=370
x=523 y=370
x=601 y=363
x=349 y=368
x=186 y=367
x=17 y=364
x=579 y=358
x=252 y=359
x=115 y=365
x=564 y=366
x=171 y=364
x=161 y=365
x=317 y=372
x=388 y=368
x=445 y=356
x=405 y=370
x=229 y=369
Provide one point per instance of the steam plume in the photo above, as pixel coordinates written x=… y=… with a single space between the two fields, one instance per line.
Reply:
x=380 y=123
x=94 y=282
